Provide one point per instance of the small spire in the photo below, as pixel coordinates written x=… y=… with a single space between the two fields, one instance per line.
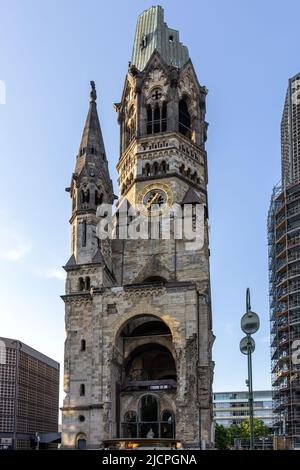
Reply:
x=92 y=140
x=93 y=93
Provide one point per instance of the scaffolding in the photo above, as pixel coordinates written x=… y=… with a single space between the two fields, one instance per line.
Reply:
x=284 y=278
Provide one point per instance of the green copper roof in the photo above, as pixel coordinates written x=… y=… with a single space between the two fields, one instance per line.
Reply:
x=153 y=33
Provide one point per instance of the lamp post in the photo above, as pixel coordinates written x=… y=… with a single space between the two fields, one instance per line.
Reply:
x=249 y=325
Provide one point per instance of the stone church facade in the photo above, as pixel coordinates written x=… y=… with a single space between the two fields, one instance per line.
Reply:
x=138 y=348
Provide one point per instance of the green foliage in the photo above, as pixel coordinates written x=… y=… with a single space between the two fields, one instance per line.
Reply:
x=224 y=437
x=260 y=429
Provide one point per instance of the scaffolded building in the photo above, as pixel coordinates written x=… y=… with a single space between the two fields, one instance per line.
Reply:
x=284 y=274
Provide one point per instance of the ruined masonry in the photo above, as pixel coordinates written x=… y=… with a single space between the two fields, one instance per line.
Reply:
x=138 y=349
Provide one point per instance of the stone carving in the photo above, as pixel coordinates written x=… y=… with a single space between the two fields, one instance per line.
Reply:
x=187 y=88
x=156 y=82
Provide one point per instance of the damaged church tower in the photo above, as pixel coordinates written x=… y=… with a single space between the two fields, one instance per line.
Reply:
x=138 y=348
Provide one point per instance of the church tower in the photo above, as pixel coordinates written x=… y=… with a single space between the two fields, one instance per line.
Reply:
x=138 y=362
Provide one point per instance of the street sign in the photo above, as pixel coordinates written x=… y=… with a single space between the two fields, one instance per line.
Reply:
x=247 y=344
x=250 y=322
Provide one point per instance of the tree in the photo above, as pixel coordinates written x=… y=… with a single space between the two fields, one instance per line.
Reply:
x=260 y=429
x=222 y=437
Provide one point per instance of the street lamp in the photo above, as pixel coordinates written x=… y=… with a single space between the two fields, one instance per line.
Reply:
x=249 y=325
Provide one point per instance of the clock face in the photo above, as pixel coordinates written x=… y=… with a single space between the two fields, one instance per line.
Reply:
x=155 y=200
x=155 y=197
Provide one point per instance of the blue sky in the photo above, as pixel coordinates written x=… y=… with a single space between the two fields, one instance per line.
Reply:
x=243 y=51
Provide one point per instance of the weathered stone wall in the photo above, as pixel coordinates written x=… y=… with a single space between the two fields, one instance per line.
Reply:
x=119 y=275
x=99 y=366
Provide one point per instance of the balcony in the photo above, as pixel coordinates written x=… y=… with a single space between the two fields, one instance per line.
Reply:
x=150 y=379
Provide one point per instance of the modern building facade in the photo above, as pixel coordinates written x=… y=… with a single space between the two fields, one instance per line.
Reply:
x=290 y=133
x=233 y=407
x=29 y=394
x=138 y=363
x=284 y=269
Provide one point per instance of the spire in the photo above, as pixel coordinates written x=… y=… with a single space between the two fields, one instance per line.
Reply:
x=91 y=148
x=151 y=34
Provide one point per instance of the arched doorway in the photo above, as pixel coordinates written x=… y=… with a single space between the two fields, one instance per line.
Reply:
x=148 y=379
x=81 y=442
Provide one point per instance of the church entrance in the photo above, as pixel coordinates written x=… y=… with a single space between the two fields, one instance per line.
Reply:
x=149 y=422
x=149 y=380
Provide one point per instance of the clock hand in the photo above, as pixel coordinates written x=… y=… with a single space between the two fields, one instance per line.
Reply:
x=152 y=200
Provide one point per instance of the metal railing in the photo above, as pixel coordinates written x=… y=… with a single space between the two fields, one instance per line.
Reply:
x=150 y=374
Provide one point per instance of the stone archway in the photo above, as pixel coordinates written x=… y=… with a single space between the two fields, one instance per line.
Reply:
x=80 y=441
x=147 y=364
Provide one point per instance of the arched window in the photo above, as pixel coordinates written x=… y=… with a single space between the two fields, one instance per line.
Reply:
x=163 y=167
x=148 y=409
x=156 y=116
x=98 y=198
x=130 y=417
x=84 y=233
x=130 y=125
x=81 y=442
x=82 y=390
x=130 y=424
x=181 y=169
x=194 y=176
x=149 y=120
x=82 y=345
x=167 y=416
x=85 y=196
x=184 y=119
x=167 y=424
x=87 y=283
x=155 y=168
x=148 y=417
x=164 y=117
x=147 y=169
x=73 y=240
x=81 y=284
x=131 y=130
x=147 y=423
